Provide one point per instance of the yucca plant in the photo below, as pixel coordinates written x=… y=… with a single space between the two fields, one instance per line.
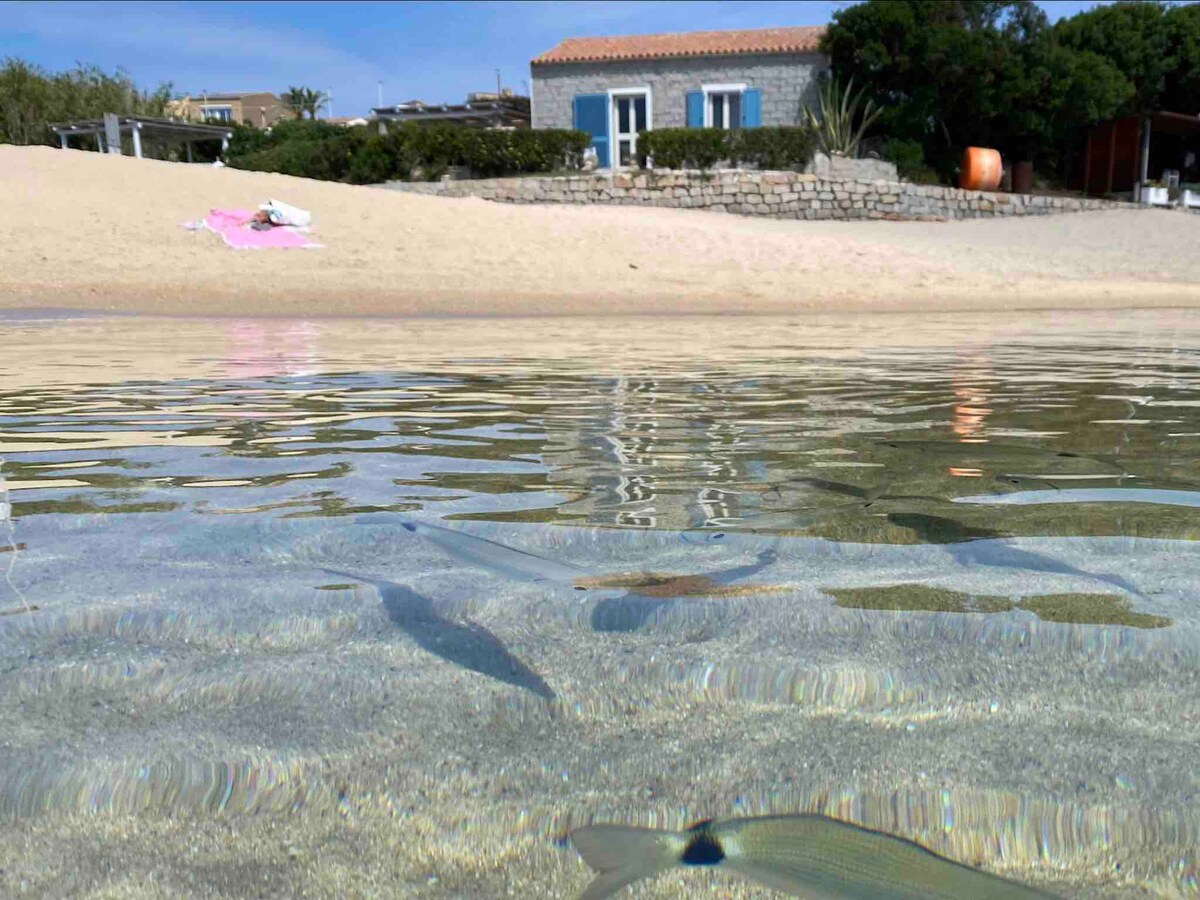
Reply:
x=834 y=127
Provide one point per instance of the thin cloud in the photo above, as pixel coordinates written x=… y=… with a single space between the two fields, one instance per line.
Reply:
x=194 y=43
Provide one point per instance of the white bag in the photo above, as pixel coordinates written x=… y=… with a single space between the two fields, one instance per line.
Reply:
x=281 y=213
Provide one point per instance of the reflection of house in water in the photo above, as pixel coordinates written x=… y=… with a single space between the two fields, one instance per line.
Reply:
x=655 y=455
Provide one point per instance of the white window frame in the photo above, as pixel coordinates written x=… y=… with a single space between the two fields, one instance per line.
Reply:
x=209 y=108
x=613 y=94
x=719 y=89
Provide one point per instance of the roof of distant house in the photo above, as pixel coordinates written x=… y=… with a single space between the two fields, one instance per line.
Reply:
x=801 y=39
x=228 y=95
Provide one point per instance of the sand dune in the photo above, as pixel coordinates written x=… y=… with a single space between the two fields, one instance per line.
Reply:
x=82 y=230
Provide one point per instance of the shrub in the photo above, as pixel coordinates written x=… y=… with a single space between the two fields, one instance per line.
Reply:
x=378 y=159
x=315 y=149
x=326 y=159
x=679 y=148
x=783 y=147
x=909 y=157
x=702 y=148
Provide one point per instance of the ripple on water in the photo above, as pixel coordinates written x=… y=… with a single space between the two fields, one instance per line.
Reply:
x=192 y=655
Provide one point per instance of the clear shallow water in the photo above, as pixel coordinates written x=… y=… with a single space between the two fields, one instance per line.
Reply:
x=231 y=619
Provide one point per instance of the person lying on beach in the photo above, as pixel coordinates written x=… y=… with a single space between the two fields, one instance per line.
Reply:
x=260 y=221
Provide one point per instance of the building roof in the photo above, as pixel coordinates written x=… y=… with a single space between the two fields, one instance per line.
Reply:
x=802 y=39
x=227 y=95
x=506 y=109
x=184 y=130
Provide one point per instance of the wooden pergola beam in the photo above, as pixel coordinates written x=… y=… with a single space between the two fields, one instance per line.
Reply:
x=134 y=126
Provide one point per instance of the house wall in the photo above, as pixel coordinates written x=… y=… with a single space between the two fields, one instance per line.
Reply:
x=260 y=109
x=785 y=80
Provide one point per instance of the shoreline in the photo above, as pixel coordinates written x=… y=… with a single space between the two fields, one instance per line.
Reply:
x=102 y=233
x=1075 y=297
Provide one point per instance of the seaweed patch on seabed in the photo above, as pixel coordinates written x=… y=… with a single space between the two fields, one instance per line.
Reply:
x=1076 y=609
x=649 y=592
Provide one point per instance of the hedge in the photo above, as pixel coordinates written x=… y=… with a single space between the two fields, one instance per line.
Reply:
x=359 y=155
x=781 y=147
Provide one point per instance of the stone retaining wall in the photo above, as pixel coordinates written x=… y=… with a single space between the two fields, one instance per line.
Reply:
x=785 y=195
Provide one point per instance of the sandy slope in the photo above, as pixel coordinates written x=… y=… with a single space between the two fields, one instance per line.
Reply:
x=79 y=229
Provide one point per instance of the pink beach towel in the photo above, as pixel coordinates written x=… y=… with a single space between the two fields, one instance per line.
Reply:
x=231 y=225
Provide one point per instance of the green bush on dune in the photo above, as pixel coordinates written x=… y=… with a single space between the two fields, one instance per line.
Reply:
x=314 y=149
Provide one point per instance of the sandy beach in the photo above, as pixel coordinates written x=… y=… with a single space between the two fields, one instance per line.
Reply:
x=87 y=231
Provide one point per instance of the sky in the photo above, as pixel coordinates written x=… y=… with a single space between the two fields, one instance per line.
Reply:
x=433 y=51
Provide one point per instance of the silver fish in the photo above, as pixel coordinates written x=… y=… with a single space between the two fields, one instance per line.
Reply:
x=995 y=452
x=499 y=558
x=803 y=855
x=1087 y=495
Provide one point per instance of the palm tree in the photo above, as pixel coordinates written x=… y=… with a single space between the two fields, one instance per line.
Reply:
x=301 y=100
x=313 y=101
x=293 y=99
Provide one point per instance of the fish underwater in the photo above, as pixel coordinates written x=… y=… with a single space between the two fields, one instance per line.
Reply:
x=1087 y=495
x=970 y=546
x=802 y=855
x=495 y=557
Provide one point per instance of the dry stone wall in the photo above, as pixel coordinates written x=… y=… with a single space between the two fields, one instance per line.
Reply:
x=785 y=195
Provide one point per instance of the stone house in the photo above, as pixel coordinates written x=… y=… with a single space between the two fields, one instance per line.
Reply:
x=615 y=88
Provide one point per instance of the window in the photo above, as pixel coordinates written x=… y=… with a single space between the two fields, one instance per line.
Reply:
x=725 y=110
x=631 y=117
x=216 y=113
x=723 y=105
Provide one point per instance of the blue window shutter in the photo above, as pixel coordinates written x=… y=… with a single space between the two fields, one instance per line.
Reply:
x=591 y=115
x=695 y=109
x=751 y=108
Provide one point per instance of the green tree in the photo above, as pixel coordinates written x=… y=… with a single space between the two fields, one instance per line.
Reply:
x=31 y=99
x=1181 y=87
x=1134 y=37
x=301 y=100
x=25 y=103
x=962 y=72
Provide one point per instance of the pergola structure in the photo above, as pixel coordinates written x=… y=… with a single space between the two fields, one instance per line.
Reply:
x=1123 y=153
x=502 y=112
x=109 y=130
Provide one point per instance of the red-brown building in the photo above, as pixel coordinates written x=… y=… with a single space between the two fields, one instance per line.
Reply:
x=1124 y=154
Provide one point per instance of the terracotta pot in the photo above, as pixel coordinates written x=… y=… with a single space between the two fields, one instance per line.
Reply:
x=1022 y=177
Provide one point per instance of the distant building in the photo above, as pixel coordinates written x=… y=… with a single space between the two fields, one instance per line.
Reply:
x=615 y=88
x=258 y=108
x=1126 y=157
x=346 y=121
x=482 y=110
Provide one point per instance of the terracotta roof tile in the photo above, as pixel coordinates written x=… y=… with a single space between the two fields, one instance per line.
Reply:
x=693 y=43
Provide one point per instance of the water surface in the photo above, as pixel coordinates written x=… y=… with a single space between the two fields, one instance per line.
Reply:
x=935 y=575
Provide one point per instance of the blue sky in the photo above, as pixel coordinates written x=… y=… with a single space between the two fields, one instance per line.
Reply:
x=436 y=52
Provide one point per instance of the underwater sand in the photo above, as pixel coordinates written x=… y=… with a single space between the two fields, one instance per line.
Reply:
x=245 y=678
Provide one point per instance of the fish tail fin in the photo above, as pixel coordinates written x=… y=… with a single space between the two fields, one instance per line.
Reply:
x=622 y=854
